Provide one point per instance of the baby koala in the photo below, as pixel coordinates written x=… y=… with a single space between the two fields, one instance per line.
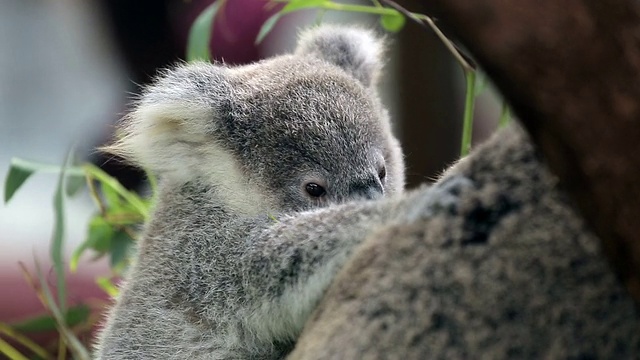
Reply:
x=260 y=171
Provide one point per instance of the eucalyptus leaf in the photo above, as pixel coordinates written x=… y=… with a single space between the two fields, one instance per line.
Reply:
x=120 y=244
x=113 y=199
x=44 y=323
x=201 y=32
x=130 y=198
x=107 y=286
x=393 y=22
x=99 y=234
x=15 y=179
x=20 y=170
x=57 y=243
x=293 y=5
x=74 y=184
x=267 y=27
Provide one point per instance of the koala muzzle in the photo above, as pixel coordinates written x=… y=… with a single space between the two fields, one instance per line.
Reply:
x=370 y=190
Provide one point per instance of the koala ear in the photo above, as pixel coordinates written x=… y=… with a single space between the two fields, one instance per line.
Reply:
x=358 y=51
x=173 y=117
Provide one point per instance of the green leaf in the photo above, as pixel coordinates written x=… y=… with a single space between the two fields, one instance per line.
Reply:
x=19 y=338
x=38 y=324
x=293 y=5
x=99 y=235
x=20 y=170
x=393 y=22
x=201 y=32
x=57 y=243
x=120 y=244
x=74 y=184
x=74 y=316
x=267 y=27
x=130 y=198
x=15 y=178
x=107 y=286
x=121 y=212
x=114 y=200
x=296 y=5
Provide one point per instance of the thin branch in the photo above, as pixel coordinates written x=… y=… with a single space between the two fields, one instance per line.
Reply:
x=427 y=22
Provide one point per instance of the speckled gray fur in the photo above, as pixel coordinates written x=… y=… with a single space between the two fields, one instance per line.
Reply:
x=506 y=271
x=237 y=255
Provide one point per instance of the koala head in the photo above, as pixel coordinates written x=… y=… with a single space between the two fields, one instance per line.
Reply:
x=289 y=133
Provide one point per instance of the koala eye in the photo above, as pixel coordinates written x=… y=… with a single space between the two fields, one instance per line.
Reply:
x=314 y=189
x=382 y=173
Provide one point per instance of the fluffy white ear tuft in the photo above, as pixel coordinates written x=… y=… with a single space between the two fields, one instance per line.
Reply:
x=173 y=117
x=356 y=50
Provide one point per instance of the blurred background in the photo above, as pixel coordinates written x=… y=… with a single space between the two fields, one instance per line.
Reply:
x=68 y=69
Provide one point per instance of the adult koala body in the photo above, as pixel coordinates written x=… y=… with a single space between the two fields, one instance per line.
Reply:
x=258 y=166
x=501 y=268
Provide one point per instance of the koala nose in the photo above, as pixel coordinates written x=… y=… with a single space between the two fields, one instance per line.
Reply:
x=370 y=190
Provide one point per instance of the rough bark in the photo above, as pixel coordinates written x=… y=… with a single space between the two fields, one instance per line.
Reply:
x=571 y=71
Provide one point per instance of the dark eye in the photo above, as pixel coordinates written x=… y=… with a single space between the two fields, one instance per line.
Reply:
x=315 y=190
x=382 y=174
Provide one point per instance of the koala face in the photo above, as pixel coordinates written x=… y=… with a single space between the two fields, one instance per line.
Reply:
x=310 y=140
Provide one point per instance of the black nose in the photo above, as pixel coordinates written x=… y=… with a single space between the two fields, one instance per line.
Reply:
x=369 y=190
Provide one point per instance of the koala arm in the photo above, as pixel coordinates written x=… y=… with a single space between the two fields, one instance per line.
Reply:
x=287 y=265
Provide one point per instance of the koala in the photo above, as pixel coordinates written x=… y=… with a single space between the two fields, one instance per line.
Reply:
x=494 y=263
x=269 y=175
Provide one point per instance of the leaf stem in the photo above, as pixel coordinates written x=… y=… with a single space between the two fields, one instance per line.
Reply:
x=24 y=341
x=46 y=168
x=467 y=123
x=11 y=352
x=465 y=63
x=366 y=9
x=422 y=19
x=72 y=341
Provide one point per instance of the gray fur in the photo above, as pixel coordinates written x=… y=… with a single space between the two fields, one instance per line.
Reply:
x=352 y=49
x=236 y=254
x=507 y=270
